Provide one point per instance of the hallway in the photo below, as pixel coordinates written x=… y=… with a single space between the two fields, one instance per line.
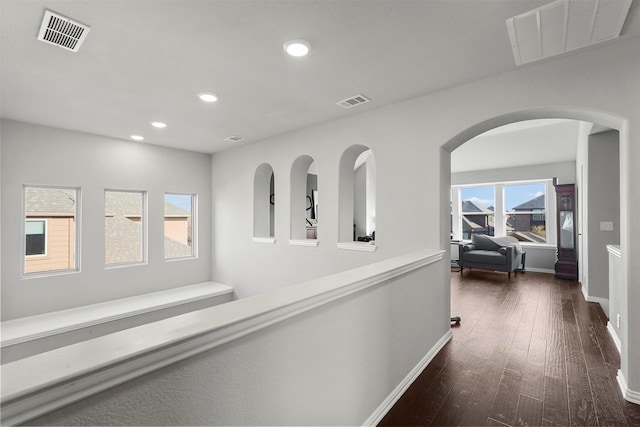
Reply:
x=528 y=352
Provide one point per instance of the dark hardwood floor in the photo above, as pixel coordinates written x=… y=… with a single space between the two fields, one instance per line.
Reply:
x=528 y=352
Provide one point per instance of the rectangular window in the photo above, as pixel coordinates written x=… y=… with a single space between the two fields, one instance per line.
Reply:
x=50 y=229
x=35 y=231
x=525 y=211
x=478 y=211
x=179 y=226
x=124 y=227
x=517 y=209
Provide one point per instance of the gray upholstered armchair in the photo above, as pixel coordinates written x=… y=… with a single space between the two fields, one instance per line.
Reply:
x=491 y=253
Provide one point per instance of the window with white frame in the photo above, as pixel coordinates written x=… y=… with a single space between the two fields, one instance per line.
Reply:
x=517 y=209
x=124 y=227
x=50 y=230
x=179 y=225
x=525 y=212
x=477 y=210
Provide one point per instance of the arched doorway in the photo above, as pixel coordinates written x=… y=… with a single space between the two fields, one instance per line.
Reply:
x=628 y=350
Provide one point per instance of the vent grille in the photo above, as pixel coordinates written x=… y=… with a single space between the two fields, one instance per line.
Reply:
x=62 y=31
x=565 y=25
x=353 y=101
x=234 y=139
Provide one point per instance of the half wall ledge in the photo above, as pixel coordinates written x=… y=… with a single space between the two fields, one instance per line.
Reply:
x=42 y=383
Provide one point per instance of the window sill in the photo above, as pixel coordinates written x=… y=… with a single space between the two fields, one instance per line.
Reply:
x=267 y=240
x=40 y=274
x=304 y=242
x=357 y=246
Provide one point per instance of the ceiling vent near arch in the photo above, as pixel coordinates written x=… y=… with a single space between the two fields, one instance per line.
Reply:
x=565 y=25
x=353 y=101
x=61 y=31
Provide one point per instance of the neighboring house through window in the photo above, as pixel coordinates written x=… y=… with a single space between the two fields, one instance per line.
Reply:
x=124 y=227
x=179 y=225
x=50 y=229
x=517 y=209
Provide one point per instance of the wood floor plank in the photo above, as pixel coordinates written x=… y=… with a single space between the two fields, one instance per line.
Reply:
x=581 y=405
x=529 y=412
x=607 y=404
x=533 y=371
x=505 y=403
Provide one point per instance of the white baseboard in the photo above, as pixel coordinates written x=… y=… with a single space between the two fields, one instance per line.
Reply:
x=604 y=302
x=388 y=403
x=539 y=270
x=628 y=395
x=614 y=335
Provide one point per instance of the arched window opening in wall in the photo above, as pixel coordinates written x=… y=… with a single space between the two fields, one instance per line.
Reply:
x=304 y=202
x=357 y=199
x=264 y=204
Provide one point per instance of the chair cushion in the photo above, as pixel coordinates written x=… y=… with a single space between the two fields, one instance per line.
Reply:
x=484 y=242
x=481 y=256
x=491 y=243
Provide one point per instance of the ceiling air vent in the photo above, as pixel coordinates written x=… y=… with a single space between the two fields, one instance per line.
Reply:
x=62 y=31
x=353 y=101
x=565 y=25
x=234 y=139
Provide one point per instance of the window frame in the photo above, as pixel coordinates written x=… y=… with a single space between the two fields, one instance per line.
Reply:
x=77 y=223
x=45 y=233
x=501 y=214
x=194 y=227
x=144 y=220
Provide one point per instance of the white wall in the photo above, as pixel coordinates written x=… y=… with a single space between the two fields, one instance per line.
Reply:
x=564 y=171
x=334 y=364
x=598 y=85
x=39 y=155
x=603 y=205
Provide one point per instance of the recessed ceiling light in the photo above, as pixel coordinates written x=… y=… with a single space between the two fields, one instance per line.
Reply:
x=208 y=96
x=159 y=125
x=297 y=47
x=137 y=137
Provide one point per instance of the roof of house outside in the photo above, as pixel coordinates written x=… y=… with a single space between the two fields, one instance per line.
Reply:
x=469 y=207
x=50 y=201
x=536 y=203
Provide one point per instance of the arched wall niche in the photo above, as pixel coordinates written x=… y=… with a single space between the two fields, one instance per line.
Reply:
x=264 y=203
x=302 y=215
x=357 y=193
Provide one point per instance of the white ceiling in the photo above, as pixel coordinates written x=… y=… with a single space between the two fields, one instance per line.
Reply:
x=531 y=142
x=146 y=60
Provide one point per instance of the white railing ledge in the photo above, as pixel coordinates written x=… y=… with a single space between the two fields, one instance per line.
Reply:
x=357 y=246
x=17 y=331
x=44 y=382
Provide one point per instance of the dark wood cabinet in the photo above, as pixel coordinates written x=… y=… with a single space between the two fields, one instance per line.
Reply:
x=567 y=263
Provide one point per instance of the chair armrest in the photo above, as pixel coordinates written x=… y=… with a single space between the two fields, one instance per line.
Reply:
x=469 y=247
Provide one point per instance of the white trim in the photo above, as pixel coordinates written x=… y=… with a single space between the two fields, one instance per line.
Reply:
x=267 y=240
x=614 y=336
x=42 y=383
x=304 y=242
x=614 y=250
x=538 y=270
x=627 y=394
x=397 y=393
x=357 y=246
x=194 y=225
